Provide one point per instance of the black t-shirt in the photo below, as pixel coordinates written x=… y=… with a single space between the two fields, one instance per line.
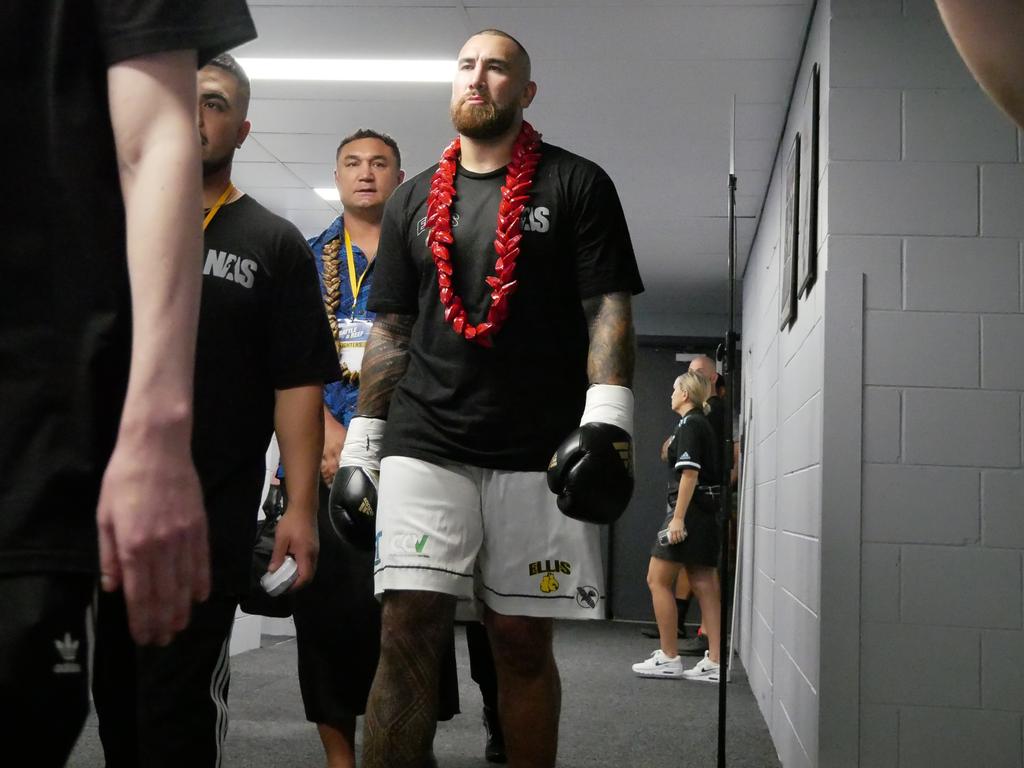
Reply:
x=65 y=325
x=509 y=406
x=693 y=446
x=262 y=327
x=716 y=417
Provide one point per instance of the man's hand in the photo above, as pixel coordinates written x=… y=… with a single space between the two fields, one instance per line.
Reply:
x=334 y=439
x=152 y=531
x=297 y=536
x=299 y=423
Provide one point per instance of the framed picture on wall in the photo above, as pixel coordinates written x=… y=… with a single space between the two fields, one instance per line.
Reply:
x=790 y=233
x=807 y=255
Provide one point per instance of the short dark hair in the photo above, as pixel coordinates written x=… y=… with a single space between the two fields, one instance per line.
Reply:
x=229 y=64
x=520 y=46
x=369 y=133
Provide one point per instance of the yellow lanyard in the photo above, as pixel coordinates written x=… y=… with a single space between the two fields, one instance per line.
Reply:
x=356 y=284
x=216 y=206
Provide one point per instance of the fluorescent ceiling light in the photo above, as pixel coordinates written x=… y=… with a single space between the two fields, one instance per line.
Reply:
x=329 y=194
x=364 y=70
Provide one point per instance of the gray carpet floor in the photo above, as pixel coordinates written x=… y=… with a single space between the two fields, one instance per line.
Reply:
x=610 y=717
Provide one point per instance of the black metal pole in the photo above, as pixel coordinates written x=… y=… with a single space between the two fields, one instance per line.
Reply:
x=728 y=367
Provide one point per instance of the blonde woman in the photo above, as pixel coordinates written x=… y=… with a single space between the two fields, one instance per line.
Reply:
x=688 y=538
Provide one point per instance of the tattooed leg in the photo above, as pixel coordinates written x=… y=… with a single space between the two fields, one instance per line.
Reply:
x=529 y=689
x=401 y=714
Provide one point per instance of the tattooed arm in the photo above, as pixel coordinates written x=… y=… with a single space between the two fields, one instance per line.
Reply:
x=384 y=363
x=612 y=353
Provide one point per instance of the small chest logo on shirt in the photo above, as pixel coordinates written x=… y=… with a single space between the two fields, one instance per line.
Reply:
x=535 y=219
x=230 y=267
x=421 y=225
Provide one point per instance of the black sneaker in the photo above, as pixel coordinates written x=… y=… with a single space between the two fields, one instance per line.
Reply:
x=695 y=647
x=494 y=750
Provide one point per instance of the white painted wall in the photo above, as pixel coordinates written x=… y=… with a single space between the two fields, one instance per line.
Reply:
x=882 y=617
x=931 y=210
x=780 y=604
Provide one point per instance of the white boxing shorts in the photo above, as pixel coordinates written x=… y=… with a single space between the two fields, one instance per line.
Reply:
x=487 y=535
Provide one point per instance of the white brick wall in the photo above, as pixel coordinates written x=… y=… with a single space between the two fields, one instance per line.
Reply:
x=780 y=605
x=922 y=215
x=935 y=223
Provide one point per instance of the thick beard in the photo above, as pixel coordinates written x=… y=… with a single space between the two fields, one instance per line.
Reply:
x=482 y=121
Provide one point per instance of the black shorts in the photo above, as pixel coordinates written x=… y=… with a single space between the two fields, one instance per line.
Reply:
x=337 y=626
x=163 y=707
x=44 y=654
x=700 y=547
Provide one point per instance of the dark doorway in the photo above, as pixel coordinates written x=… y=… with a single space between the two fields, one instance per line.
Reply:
x=659 y=361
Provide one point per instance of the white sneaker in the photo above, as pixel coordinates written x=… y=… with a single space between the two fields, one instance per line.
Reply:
x=660 y=665
x=705 y=670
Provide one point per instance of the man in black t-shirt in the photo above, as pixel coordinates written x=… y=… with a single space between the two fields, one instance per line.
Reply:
x=97 y=267
x=480 y=358
x=264 y=352
x=705 y=366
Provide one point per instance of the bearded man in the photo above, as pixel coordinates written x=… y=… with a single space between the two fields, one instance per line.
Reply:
x=504 y=277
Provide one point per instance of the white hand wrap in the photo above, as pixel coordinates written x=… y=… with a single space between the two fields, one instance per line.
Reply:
x=363 y=444
x=609 y=404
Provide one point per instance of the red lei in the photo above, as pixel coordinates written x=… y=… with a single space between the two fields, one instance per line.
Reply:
x=514 y=194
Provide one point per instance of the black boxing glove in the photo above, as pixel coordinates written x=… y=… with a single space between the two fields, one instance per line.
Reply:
x=353 y=503
x=592 y=470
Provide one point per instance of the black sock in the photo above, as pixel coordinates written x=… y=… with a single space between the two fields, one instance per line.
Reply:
x=681 y=608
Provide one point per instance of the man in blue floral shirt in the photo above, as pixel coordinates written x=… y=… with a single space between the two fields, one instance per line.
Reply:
x=337 y=619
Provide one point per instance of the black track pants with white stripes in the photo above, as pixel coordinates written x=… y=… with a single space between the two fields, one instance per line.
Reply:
x=163 y=706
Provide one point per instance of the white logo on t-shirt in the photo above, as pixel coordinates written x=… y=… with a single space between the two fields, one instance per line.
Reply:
x=230 y=267
x=535 y=219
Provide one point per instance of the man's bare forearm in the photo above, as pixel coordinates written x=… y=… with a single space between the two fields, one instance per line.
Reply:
x=159 y=164
x=612 y=355
x=300 y=435
x=988 y=35
x=384 y=363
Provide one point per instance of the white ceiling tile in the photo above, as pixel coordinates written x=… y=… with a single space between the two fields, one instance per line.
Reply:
x=656 y=32
x=402 y=93
x=357 y=32
x=310 y=223
x=585 y=4
x=251 y=175
x=299 y=147
x=353 y=3
x=279 y=199
x=314 y=174
x=253 y=152
x=687 y=83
